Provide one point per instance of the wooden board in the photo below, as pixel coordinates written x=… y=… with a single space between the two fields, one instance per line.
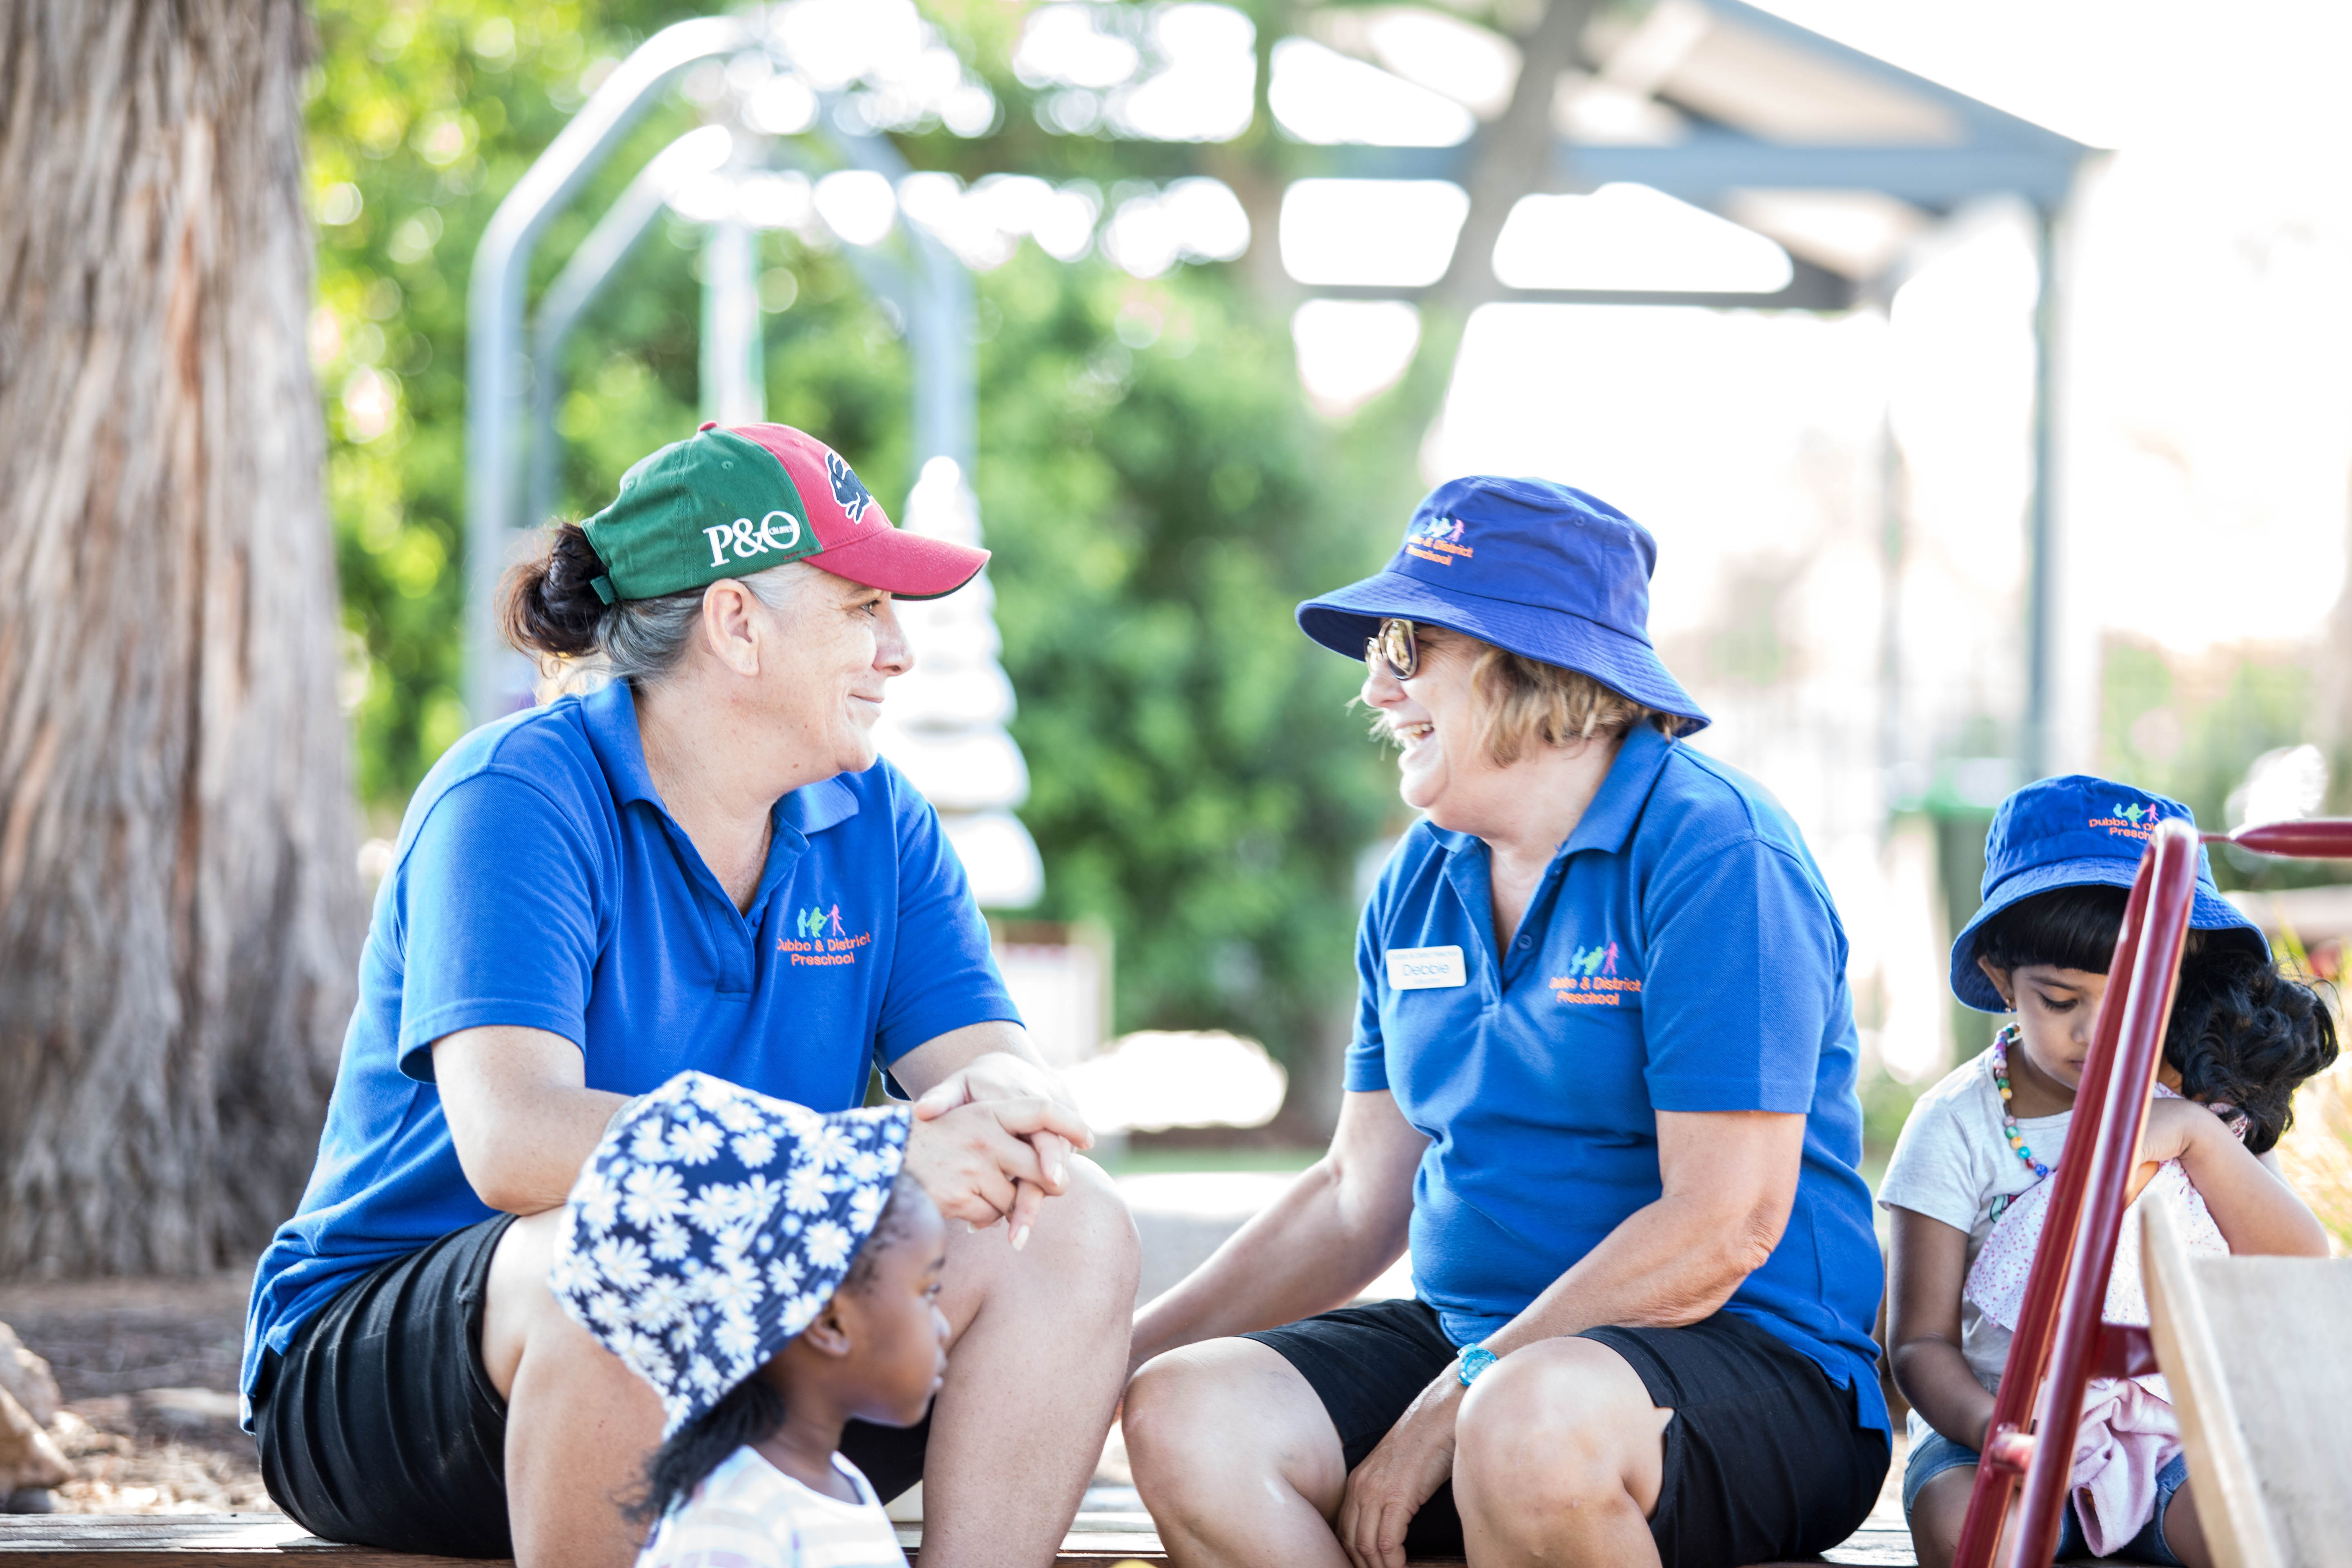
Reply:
x=2230 y=1505
x=185 y=1541
x=2278 y=1327
x=240 y=1540
x=2253 y=1348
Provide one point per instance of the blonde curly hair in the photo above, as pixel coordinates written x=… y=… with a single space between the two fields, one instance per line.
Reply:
x=1528 y=703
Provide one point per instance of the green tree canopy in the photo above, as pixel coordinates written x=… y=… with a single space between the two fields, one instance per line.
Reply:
x=1158 y=494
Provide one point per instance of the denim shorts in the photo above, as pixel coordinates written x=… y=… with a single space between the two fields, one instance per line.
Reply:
x=1932 y=1453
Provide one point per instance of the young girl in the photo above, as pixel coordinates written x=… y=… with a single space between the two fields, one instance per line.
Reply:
x=770 y=1272
x=2059 y=860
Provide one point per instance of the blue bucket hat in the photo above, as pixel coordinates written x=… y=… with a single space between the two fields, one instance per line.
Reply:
x=2078 y=832
x=713 y=1225
x=1546 y=572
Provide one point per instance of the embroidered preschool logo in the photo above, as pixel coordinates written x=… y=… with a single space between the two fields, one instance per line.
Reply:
x=2129 y=820
x=1592 y=980
x=848 y=489
x=1438 y=539
x=820 y=939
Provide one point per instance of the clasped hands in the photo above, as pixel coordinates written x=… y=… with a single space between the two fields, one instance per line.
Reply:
x=992 y=1141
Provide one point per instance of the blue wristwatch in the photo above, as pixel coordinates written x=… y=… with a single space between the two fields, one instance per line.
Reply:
x=1475 y=1358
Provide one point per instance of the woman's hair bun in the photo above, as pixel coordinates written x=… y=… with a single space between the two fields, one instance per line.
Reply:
x=546 y=604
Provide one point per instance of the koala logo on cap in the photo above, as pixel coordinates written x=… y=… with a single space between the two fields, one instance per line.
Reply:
x=848 y=491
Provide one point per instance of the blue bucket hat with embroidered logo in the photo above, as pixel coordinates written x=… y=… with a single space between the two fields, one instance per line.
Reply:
x=1548 y=572
x=713 y=1225
x=2079 y=832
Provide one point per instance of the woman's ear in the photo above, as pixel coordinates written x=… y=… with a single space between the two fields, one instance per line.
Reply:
x=730 y=626
x=1999 y=978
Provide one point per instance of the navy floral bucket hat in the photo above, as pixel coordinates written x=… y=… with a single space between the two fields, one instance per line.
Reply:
x=713 y=1225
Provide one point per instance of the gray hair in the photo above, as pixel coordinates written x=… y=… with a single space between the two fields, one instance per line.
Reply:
x=643 y=641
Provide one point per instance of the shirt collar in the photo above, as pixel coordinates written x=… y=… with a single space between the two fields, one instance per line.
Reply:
x=814 y=807
x=1609 y=821
x=610 y=717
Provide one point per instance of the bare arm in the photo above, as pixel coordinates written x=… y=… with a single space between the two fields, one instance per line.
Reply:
x=2258 y=1213
x=936 y=1060
x=521 y=1114
x=524 y=1122
x=1729 y=1178
x=1321 y=1242
x=1929 y=1268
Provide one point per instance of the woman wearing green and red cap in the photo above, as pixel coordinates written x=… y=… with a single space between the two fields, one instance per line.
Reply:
x=699 y=867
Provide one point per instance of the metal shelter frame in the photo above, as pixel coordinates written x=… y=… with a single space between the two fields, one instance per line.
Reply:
x=1987 y=153
x=512 y=453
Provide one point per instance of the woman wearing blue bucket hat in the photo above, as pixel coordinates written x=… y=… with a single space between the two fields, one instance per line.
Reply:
x=1602 y=1084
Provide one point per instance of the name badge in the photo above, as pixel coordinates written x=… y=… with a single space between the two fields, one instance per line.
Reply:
x=1425 y=968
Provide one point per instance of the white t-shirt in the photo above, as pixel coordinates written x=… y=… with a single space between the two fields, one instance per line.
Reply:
x=748 y=1515
x=1952 y=1163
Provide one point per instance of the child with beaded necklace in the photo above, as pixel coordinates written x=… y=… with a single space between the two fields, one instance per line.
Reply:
x=2059 y=860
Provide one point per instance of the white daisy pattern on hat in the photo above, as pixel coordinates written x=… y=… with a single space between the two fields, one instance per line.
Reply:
x=711 y=1226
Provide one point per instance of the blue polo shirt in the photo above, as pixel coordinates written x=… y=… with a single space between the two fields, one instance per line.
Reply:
x=540 y=881
x=1680 y=954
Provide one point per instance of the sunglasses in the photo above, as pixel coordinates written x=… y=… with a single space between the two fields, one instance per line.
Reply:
x=1395 y=646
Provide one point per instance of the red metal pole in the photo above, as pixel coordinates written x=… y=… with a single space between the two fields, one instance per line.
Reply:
x=2146 y=1009
x=2317 y=838
x=2009 y=1440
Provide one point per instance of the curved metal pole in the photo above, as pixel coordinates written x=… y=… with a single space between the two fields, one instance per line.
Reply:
x=2170 y=869
x=2010 y=1441
x=699 y=152
x=494 y=309
x=939 y=324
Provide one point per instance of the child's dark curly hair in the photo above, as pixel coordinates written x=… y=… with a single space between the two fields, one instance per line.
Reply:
x=2243 y=1033
x=754 y=1407
x=2240 y=1033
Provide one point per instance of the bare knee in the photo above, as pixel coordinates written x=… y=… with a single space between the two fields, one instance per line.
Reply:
x=516 y=1303
x=1938 y=1512
x=1087 y=1240
x=1564 y=1424
x=1207 y=1425
x=1170 y=1404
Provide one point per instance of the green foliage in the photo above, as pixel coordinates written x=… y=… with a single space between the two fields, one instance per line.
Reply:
x=2191 y=726
x=1158 y=496
x=421 y=117
x=1158 y=511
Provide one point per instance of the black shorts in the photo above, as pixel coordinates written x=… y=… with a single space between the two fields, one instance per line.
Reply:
x=1765 y=1457
x=379 y=1427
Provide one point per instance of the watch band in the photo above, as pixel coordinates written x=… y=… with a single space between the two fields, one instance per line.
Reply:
x=1475 y=1360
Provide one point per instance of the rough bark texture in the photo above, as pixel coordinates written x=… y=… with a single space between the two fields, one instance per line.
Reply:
x=178 y=903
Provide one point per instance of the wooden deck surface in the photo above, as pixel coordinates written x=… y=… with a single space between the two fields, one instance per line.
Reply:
x=229 y=1539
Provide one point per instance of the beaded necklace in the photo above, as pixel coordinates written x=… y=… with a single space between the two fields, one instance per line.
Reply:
x=2009 y=1035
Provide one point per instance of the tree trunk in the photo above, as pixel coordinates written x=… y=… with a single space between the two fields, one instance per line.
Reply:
x=1516 y=154
x=178 y=902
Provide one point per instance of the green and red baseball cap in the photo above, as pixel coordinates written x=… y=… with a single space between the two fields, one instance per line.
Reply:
x=729 y=502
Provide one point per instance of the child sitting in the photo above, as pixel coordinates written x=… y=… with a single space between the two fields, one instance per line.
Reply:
x=1965 y=1187
x=772 y=1274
